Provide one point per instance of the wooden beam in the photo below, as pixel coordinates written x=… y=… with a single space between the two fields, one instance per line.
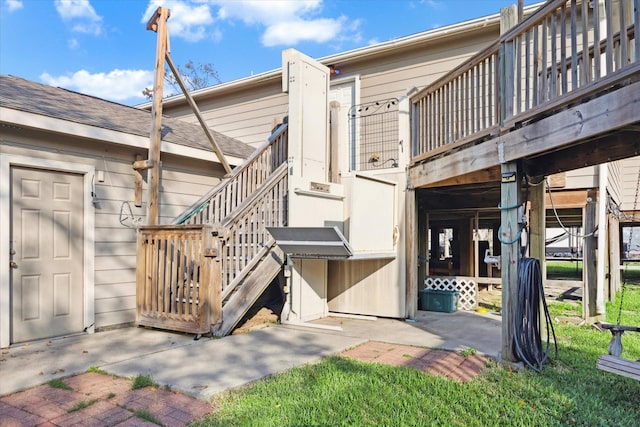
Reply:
x=196 y=111
x=157 y=23
x=566 y=199
x=458 y=163
x=141 y=164
x=615 y=110
x=411 y=299
x=477 y=177
x=137 y=183
x=604 y=148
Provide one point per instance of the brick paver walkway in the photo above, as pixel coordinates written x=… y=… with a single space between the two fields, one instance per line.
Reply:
x=437 y=362
x=98 y=400
x=103 y=400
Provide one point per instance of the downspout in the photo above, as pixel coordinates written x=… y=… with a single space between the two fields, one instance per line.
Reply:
x=603 y=176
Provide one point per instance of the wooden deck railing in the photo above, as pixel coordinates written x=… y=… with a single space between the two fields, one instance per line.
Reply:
x=564 y=51
x=178 y=277
x=218 y=203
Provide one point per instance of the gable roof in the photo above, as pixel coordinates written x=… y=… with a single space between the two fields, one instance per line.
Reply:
x=36 y=98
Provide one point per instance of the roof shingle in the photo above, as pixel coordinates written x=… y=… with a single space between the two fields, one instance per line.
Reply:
x=24 y=95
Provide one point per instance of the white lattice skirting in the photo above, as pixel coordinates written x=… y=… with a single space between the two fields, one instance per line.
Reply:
x=466 y=286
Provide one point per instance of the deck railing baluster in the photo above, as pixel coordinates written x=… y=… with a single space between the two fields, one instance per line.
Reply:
x=555 y=52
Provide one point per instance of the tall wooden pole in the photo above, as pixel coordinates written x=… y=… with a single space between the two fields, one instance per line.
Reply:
x=510 y=196
x=157 y=23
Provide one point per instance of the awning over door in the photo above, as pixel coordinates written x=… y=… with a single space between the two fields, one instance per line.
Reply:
x=312 y=242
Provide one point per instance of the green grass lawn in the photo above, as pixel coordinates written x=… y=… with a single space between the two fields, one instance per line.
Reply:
x=568 y=270
x=341 y=392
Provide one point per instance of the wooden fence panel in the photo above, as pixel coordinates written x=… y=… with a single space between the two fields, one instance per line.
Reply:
x=178 y=278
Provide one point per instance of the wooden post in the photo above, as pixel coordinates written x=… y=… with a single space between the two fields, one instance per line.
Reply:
x=509 y=197
x=334 y=141
x=589 y=273
x=423 y=244
x=411 y=299
x=510 y=253
x=614 y=257
x=196 y=112
x=537 y=225
x=157 y=23
x=137 y=184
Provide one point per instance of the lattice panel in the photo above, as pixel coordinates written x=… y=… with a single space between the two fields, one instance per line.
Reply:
x=467 y=289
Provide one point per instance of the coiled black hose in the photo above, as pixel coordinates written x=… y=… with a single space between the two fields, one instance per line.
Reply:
x=527 y=341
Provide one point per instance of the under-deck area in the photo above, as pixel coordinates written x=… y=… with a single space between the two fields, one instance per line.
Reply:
x=556 y=92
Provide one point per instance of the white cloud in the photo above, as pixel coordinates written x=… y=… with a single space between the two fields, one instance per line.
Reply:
x=266 y=12
x=73 y=44
x=13 y=5
x=116 y=85
x=285 y=22
x=81 y=14
x=187 y=21
x=293 y=32
x=288 y=22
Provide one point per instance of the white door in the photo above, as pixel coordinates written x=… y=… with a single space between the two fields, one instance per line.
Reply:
x=47 y=247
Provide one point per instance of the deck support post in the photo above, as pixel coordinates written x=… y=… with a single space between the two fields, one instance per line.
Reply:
x=510 y=238
x=411 y=299
x=589 y=270
x=537 y=223
x=509 y=234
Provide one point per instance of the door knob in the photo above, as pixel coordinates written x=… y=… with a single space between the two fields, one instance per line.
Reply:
x=13 y=264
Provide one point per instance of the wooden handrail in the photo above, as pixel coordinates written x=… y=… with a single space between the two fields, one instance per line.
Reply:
x=240 y=184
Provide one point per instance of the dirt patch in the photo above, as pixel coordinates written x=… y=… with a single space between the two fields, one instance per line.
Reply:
x=263 y=318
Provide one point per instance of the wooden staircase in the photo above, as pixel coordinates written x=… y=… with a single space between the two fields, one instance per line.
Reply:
x=203 y=272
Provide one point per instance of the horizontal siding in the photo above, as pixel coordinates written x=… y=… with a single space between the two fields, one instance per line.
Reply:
x=248 y=116
x=111 y=318
x=249 y=113
x=614 y=182
x=630 y=174
x=183 y=181
x=582 y=178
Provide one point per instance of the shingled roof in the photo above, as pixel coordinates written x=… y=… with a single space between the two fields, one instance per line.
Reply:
x=24 y=95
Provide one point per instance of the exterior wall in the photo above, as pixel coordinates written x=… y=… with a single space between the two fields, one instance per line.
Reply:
x=394 y=75
x=614 y=181
x=183 y=181
x=630 y=170
x=249 y=114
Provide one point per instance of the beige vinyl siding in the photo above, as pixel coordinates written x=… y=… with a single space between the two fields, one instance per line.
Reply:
x=630 y=171
x=183 y=181
x=393 y=76
x=249 y=115
x=582 y=178
x=614 y=182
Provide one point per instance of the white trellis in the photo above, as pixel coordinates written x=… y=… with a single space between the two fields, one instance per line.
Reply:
x=466 y=287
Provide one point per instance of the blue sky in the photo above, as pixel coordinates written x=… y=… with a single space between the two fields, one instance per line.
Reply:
x=102 y=47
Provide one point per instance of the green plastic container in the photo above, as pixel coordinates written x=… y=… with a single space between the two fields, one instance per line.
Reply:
x=442 y=301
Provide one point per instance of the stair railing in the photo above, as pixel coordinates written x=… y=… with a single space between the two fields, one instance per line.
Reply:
x=246 y=239
x=245 y=179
